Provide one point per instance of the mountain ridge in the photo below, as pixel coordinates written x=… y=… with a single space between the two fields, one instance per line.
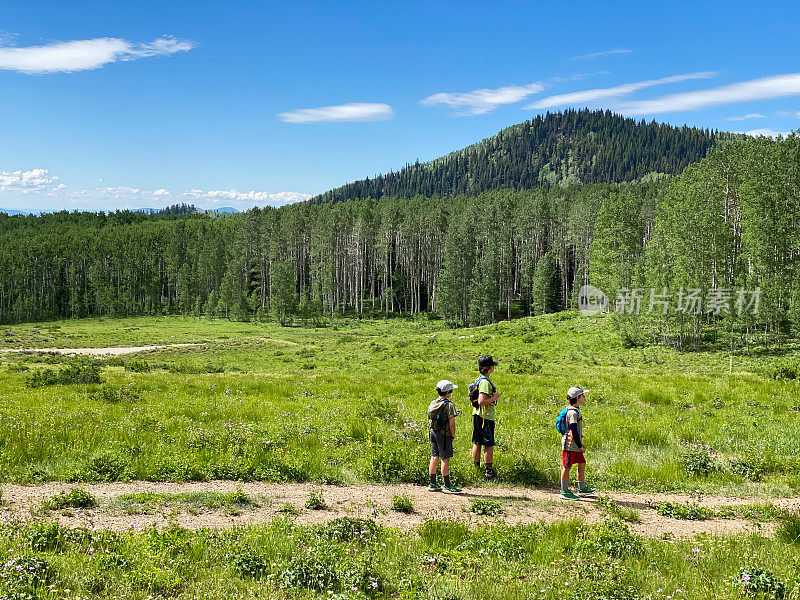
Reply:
x=574 y=146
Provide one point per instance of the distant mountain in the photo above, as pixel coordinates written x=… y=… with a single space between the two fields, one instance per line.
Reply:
x=576 y=146
x=224 y=209
x=13 y=211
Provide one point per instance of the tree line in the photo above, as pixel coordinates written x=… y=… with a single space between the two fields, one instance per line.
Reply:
x=727 y=222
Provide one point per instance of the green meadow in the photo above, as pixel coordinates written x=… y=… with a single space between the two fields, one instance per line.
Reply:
x=346 y=403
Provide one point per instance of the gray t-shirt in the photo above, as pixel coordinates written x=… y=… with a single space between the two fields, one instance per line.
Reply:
x=573 y=416
x=451 y=413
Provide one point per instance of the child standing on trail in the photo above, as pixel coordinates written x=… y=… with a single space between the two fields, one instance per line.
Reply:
x=572 y=447
x=442 y=418
x=483 y=415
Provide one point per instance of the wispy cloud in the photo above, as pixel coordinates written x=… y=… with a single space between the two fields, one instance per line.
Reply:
x=603 y=53
x=598 y=94
x=766 y=132
x=84 y=55
x=786 y=113
x=745 y=117
x=478 y=102
x=353 y=112
x=765 y=88
x=37 y=189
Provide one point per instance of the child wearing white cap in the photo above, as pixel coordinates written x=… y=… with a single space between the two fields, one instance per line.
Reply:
x=572 y=447
x=442 y=419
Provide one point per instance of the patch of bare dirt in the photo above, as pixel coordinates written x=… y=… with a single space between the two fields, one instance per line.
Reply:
x=112 y=351
x=520 y=505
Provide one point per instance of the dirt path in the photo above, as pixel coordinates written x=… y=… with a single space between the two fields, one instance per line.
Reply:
x=112 y=351
x=520 y=505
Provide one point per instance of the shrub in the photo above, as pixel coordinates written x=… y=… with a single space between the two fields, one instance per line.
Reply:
x=44 y=537
x=75 y=498
x=289 y=509
x=248 y=563
x=106 y=465
x=347 y=529
x=755 y=581
x=697 y=461
x=403 y=504
x=315 y=571
x=688 y=512
x=315 y=500
x=524 y=366
x=121 y=394
x=138 y=366
x=22 y=575
x=79 y=372
x=611 y=537
x=486 y=506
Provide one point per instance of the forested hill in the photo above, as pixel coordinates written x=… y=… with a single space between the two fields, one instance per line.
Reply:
x=576 y=146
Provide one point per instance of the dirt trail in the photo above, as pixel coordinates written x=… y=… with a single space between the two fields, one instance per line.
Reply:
x=520 y=505
x=111 y=351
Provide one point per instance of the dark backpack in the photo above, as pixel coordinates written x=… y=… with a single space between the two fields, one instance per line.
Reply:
x=473 y=392
x=561 y=420
x=440 y=418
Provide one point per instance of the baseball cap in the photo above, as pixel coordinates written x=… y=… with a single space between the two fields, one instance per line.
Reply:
x=446 y=386
x=487 y=361
x=574 y=392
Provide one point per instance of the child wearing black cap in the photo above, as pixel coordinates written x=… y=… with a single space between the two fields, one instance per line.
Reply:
x=483 y=416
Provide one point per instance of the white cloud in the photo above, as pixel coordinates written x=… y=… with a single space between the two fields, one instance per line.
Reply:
x=746 y=117
x=771 y=133
x=247 y=199
x=478 y=102
x=765 y=88
x=36 y=189
x=603 y=53
x=352 y=112
x=35 y=179
x=595 y=95
x=785 y=113
x=83 y=55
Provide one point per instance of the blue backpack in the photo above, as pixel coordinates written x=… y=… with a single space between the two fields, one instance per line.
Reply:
x=561 y=421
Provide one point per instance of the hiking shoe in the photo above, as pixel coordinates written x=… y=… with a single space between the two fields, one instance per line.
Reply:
x=489 y=475
x=568 y=495
x=434 y=488
x=451 y=490
x=587 y=491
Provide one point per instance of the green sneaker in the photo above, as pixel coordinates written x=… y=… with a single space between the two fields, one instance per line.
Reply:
x=568 y=495
x=587 y=491
x=434 y=487
x=451 y=490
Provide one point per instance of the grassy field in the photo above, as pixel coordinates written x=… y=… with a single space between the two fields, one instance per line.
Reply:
x=346 y=404
x=351 y=558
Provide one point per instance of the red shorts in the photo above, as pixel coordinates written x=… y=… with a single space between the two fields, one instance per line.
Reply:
x=572 y=458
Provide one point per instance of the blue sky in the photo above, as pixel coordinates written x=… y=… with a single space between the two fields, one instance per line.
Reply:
x=243 y=103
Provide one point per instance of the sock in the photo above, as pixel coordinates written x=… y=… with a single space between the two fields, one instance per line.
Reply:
x=564 y=485
x=478 y=465
x=446 y=480
x=581 y=485
x=489 y=468
x=433 y=478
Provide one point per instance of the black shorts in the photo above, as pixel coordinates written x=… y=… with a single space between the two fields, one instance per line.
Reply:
x=441 y=444
x=482 y=431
